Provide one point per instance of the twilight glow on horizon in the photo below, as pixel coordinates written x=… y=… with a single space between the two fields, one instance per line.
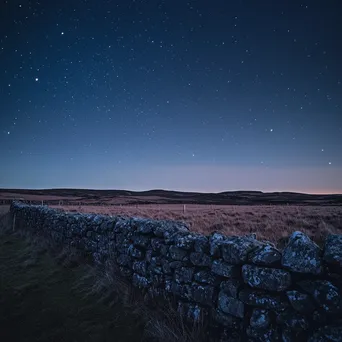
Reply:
x=194 y=95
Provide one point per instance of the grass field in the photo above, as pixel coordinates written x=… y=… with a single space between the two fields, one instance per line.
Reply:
x=49 y=295
x=273 y=223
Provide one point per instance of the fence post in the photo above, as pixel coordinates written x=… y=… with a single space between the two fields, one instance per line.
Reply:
x=184 y=208
x=13 y=222
x=42 y=202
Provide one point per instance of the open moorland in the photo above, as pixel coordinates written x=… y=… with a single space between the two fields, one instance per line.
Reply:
x=51 y=295
x=272 y=216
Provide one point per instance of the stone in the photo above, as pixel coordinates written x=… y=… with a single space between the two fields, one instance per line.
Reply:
x=120 y=238
x=140 y=281
x=156 y=244
x=176 y=264
x=324 y=293
x=201 y=244
x=140 y=267
x=200 y=259
x=302 y=255
x=164 y=250
x=135 y=252
x=287 y=335
x=230 y=305
x=331 y=333
x=333 y=251
x=184 y=274
x=260 y=319
x=224 y=269
x=143 y=226
x=124 y=260
x=149 y=255
x=156 y=261
x=271 y=279
x=177 y=253
x=301 y=302
x=183 y=291
x=122 y=226
x=203 y=294
x=293 y=320
x=184 y=241
x=263 y=335
x=166 y=268
x=231 y=287
x=319 y=317
x=235 y=250
x=262 y=299
x=141 y=241
x=225 y=319
x=166 y=228
x=205 y=277
x=265 y=256
x=154 y=269
x=215 y=241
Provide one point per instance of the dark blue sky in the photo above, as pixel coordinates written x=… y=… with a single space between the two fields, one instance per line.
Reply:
x=185 y=95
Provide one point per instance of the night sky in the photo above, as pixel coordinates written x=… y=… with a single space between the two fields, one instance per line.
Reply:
x=202 y=95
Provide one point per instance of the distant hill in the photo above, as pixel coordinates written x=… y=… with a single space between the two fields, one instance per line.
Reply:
x=160 y=196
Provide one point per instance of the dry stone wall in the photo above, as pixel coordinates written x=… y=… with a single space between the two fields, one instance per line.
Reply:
x=245 y=288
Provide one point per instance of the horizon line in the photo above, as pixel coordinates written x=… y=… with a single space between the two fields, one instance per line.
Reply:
x=175 y=190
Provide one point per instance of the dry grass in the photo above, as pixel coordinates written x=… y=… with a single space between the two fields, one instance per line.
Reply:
x=273 y=223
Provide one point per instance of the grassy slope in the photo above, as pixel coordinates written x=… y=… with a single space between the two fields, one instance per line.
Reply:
x=42 y=300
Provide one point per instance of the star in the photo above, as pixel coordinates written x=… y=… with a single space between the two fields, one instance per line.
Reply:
x=160 y=78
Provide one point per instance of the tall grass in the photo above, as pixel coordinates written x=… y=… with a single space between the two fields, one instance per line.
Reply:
x=272 y=223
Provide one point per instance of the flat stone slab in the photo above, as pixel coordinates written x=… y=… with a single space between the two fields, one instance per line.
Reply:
x=271 y=279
